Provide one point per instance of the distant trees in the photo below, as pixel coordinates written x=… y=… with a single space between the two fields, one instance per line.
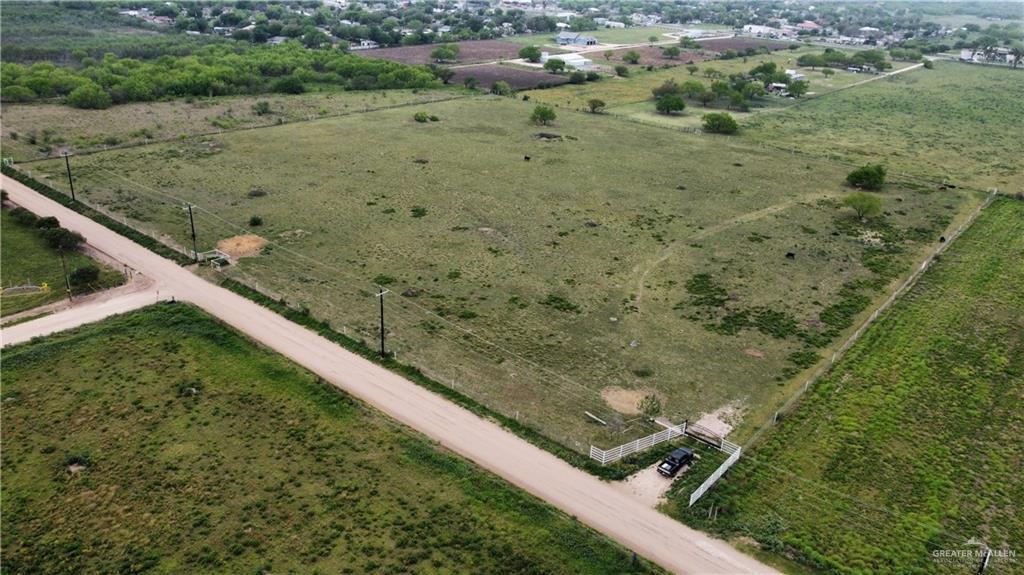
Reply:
x=90 y=96
x=631 y=57
x=211 y=71
x=501 y=88
x=720 y=123
x=288 y=85
x=84 y=276
x=868 y=177
x=554 y=65
x=442 y=73
x=621 y=71
x=864 y=204
x=577 y=77
x=530 y=54
x=543 y=115
x=596 y=105
x=692 y=68
x=670 y=103
x=671 y=52
x=798 y=87
x=445 y=53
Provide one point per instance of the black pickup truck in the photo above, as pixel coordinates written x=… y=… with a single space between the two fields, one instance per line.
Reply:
x=675 y=461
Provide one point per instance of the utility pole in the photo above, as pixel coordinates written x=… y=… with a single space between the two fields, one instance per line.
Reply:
x=380 y=295
x=71 y=182
x=984 y=561
x=192 y=223
x=67 y=280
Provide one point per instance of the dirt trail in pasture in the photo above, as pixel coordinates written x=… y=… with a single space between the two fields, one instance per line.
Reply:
x=621 y=516
x=712 y=230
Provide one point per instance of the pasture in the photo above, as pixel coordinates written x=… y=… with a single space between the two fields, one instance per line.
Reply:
x=469 y=52
x=958 y=122
x=33 y=131
x=632 y=35
x=911 y=444
x=28 y=260
x=161 y=441
x=534 y=268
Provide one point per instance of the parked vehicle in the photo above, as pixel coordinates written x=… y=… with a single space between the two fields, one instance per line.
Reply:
x=675 y=461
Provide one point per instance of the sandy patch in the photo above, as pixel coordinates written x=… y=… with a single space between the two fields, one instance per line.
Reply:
x=624 y=400
x=75 y=468
x=647 y=485
x=722 y=420
x=242 y=246
x=754 y=352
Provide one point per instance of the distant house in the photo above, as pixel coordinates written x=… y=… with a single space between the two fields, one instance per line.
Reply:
x=223 y=30
x=575 y=39
x=614 y=24
x=761 y=31
x=808 y=25
x=795 y=76
x=275 y=40
x=577 y=61
x=365 y=45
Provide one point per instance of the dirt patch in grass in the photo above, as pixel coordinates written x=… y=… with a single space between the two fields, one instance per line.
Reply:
x=740 y=44
x=517 y=78
x=722 y=420
x=651 y=55
x=242 y=246
x=624 y=400
x=469 y=52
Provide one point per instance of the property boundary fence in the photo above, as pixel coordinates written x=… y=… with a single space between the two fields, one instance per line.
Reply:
x=616 y=453
x=714 y=477
x=904 y=287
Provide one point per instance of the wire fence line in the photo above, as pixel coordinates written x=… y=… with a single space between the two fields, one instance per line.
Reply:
x=838 y=354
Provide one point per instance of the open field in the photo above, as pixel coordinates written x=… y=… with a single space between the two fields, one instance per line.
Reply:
x=55 y=128
x=741 y=43
x=534 y=285
x=912 y=443
x=648 y=55
x=958 y=122
x=27 y=260
x=636 y=35
x=469 y=52
x=186 y=448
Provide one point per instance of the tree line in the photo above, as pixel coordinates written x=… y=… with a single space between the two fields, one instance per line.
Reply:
x=211 y=71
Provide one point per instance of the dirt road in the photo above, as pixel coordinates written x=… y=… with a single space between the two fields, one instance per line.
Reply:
x=595 y=503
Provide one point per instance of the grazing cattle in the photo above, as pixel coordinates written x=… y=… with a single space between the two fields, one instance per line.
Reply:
x=942 y=239
x=790 y=256
x=527 y=158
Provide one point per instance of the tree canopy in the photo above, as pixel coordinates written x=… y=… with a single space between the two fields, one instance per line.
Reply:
x=869 y=177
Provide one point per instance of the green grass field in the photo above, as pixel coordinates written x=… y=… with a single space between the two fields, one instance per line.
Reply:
x=163 y=442
x=27 y=260
x=535 y=285
x=36 y=130
x=912 y=443
x=635 y=35
x=957 y=121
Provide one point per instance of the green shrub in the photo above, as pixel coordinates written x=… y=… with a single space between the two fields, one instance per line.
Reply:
x=720 y=123
x=84 y=276
x=89 y=96
x=421 y=117
x=868 y=177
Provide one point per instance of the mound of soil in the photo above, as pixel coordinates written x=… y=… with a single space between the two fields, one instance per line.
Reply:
x=242 y=246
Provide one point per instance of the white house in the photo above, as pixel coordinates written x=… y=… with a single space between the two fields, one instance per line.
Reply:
x=614 y=24
x=761 y=31
x=795 y=76
x=576 y=61
x=365 y=45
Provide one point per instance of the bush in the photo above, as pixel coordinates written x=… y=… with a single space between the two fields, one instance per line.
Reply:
x=622 y=71
x=421 y=117
x=866 y=205
x=868 y=177
x=17 y=94
x=47 y=223
x=84 y=276
x=501 y=88
x=288 y=85
x=530 y=53
x=261 y=108
x=577 y=77
x=89 y=96
x=62 y=239
x=543 y=115
x=593 y=76
x=255 y=221
x=24 y=217
x=720 y=123
x=670 y=103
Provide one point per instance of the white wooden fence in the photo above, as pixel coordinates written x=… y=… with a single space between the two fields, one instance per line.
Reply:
x=616 y=453
x=700 y=491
